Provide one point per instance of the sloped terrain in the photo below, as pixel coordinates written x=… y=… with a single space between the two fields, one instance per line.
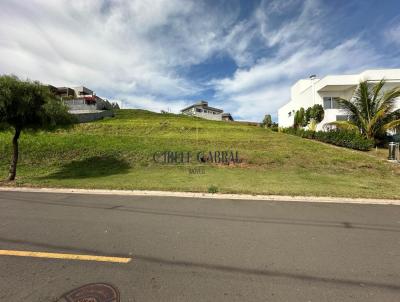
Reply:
x=117 y=153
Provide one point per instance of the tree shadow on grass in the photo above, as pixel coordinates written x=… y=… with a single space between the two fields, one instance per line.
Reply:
x=97 y=166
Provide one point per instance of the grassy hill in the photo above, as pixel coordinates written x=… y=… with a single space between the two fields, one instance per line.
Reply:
x=117 y=153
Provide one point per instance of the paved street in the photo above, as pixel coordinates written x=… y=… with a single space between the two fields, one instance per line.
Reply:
x=185 y=249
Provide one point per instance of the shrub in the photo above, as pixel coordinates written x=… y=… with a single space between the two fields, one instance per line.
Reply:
x=212 y=189
x=267 y=121
x=343 y=138
x=313 y=114
x=316 y=113
x=274 y=127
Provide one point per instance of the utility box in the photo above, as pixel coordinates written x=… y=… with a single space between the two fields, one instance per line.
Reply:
x=393 y=151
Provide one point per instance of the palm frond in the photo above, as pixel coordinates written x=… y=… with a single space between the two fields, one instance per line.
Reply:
x=394 y=115
x=377 y=120
x=376 y=92
x=388 y=99
x=362 y=100
x=345 y=125
x=391 y=125
x=354 y=111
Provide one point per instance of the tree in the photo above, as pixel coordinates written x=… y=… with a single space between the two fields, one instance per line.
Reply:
x=300 y=118
x=267 y=121
x=296 y=120
x=371 y=110
x=26 y=105
x=317 y=113
x=308 y=114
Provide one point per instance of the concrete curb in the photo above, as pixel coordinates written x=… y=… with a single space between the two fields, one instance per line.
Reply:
x=205 y=195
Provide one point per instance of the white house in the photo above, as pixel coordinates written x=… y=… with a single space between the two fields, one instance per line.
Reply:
x=80 y=98
x=83 y=103
x=201 y=109
x=308 y=92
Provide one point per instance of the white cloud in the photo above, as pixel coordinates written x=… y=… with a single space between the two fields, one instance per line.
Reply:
x=136 y=50
x=302 y=48
x=151 y=102
x=116 y=47
x=392 y=35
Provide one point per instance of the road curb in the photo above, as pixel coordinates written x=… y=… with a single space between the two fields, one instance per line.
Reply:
x=204 y=195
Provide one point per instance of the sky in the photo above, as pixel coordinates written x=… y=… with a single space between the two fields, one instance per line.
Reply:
x=239 y=55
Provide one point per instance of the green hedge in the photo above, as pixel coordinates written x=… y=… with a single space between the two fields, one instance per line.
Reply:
x=343 y=138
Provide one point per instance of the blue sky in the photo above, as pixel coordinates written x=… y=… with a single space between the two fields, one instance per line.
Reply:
x=240 y=55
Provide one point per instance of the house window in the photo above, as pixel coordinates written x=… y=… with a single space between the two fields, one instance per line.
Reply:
x=335 y=103
x=199 y=110
x=327 y=103
x=331 y=103
x=342 y=117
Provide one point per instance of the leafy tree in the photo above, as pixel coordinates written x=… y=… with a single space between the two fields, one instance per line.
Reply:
x=308 y=114
x=26 y=105
x=296 y=120
x=317 y=113
x=267 y=121
x=300 y=118
x=371 y=110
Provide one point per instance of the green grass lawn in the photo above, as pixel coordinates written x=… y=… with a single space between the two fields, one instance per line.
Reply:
x=117 y=153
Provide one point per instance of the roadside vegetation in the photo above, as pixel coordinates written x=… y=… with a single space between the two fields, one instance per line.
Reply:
x=345 y=138
x=117 y=153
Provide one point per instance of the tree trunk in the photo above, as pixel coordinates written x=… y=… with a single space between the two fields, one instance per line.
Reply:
x=14 y=160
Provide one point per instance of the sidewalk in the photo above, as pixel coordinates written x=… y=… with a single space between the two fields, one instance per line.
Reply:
x=206 y=195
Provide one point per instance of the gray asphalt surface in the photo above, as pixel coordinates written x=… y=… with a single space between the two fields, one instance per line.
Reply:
x=199 y=249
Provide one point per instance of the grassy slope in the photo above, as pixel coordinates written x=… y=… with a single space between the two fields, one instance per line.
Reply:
x=117 y=154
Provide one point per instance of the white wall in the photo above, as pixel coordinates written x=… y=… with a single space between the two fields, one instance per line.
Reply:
x=209 y=116
x=302 y=96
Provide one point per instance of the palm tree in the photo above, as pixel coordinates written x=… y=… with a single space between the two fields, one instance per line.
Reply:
x=371 y=110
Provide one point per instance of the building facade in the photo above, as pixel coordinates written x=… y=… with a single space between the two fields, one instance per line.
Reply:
x=227 y=117
x=80 y=99
x=201 y=109
x=83 y=103
x=308 y=92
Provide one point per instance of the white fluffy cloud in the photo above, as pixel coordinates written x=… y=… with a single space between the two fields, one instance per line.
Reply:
x=121 y=48
x=302 y=48
x=139 y=50
x=392 y=35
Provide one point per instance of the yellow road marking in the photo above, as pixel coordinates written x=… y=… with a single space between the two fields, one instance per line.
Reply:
x=64 y=256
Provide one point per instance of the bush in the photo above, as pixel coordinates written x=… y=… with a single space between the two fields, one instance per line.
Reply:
x=343 y=138
x=303 y=117
x=274 y=127
x=212 y=189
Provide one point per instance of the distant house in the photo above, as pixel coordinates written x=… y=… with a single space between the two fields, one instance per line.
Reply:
x=80 y=98
x=227 y=117
x=201 y=109
x=83 y=102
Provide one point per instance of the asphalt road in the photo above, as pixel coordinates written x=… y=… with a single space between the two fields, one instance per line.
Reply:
x=200 y=250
